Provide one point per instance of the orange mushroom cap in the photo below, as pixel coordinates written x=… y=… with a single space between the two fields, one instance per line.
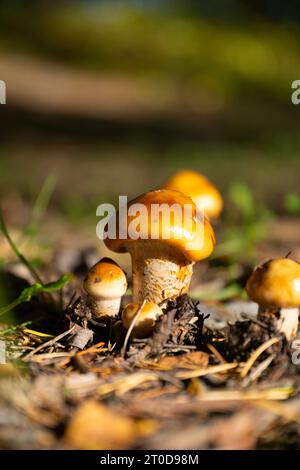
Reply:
x=204 y=194
x=105 y=280
x=190 y=233
x=276 y=284
x=149 y=313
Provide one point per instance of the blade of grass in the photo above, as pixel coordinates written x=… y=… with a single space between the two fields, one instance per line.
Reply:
x=135 y=319
x=4 y=230
x=37 y=333
x=48 y=343
x=248 y=365
x=279 y=393
x=232 y=290
x=40 y=205
x=37 y=288
x=207 y=371
x=11 y=329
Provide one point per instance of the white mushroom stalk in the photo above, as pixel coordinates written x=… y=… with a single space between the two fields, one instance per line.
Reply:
x=287 y=321
x=103 y=307
x=158 y=272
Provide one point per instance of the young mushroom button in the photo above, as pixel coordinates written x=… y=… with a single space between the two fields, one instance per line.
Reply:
x=142 y=317
x=105 y=284
x=275 y=286
x=168 y=244
x=204 y=194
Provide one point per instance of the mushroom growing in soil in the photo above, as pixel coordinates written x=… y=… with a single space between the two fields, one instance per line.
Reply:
x=105 y=284
x=166 y=248
x=142 y=316
x=275 y=286
x=204 y=194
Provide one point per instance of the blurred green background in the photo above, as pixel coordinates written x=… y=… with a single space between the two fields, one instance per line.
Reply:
x=112 y=97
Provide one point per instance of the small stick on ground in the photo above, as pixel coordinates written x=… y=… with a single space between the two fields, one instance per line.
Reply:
x=256 y=355
x=131 y=328
x=49 y=343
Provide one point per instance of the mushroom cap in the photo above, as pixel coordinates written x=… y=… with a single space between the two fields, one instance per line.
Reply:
x=204 y=194
x=275 y=284
x=105 y=280
x=147 y=317
x=189 y=233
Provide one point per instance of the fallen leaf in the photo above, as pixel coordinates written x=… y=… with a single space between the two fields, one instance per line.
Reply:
x=81 y=337
x=95 y=427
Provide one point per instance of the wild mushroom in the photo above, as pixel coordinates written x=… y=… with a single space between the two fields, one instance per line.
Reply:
x=275 y=286
x=143 y=318
x=204 y=194
x=166 y=246
x=105 y=284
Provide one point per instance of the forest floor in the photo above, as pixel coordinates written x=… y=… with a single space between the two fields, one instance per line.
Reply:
x=210 y=377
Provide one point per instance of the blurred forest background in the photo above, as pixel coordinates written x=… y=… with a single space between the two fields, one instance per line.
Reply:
x=107 y=98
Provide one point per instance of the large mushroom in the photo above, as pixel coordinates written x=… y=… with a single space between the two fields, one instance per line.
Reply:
x=204 y=194
x=105 y=284
x=275 y=286
x=166 y=246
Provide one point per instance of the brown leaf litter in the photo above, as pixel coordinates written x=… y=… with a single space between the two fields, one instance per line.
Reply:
x=187 y=386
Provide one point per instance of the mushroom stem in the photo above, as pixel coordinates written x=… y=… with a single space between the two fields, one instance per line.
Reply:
x=104 y=307
x=159 y=274
x=287 y=322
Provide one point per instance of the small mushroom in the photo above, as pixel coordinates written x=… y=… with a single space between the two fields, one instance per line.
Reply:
x=162 y=265
x=275 y=286
x=204 y=194
x=105 y=284
x=142 y=316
